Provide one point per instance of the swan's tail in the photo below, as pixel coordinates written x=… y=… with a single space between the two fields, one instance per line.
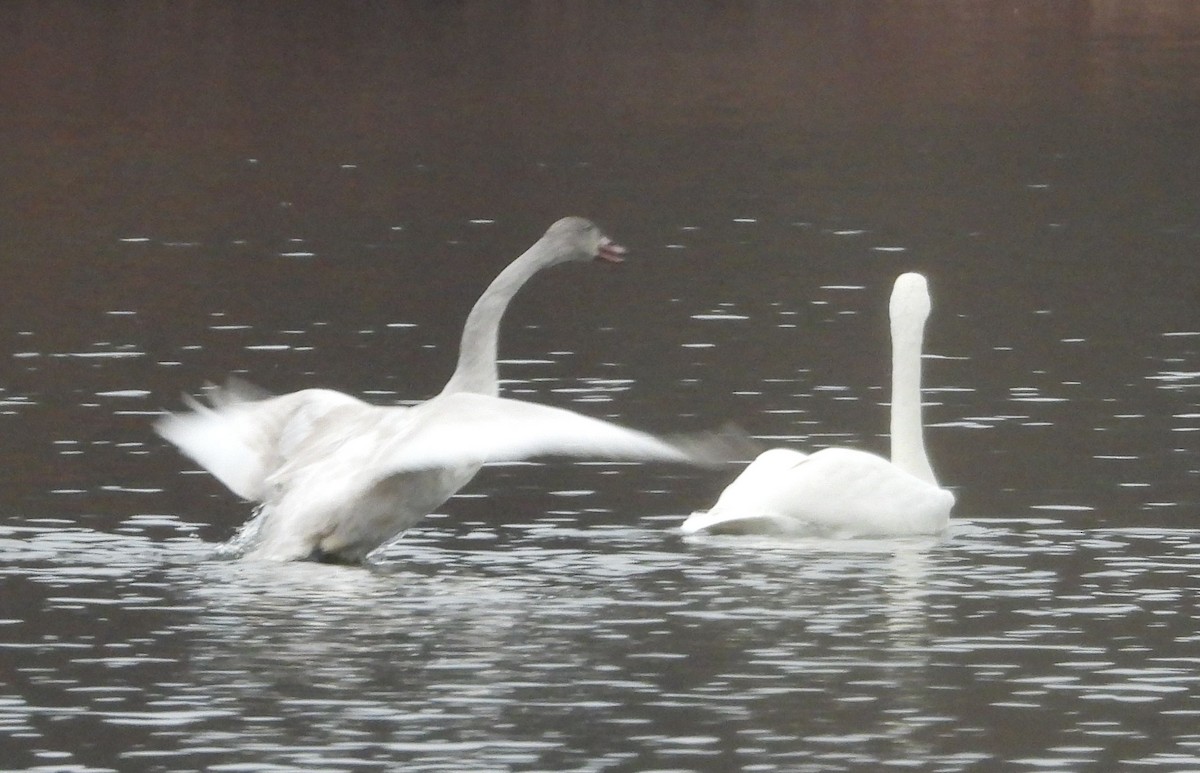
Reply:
x=717 y=521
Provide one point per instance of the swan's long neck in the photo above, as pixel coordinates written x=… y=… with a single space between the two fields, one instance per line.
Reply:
x=477 y=371
x=909 y=308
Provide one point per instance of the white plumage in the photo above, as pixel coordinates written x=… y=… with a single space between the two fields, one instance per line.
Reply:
x=845 y=492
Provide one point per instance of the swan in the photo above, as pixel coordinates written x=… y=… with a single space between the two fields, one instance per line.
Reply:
x=336 y=477
x=845 y=492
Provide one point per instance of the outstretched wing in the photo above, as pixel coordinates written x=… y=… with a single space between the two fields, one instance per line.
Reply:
x=465 y=428
x=243 y=437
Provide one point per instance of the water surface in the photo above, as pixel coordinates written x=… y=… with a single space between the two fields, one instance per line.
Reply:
x=314 y=196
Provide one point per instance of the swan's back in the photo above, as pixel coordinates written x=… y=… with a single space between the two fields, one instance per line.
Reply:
x=836 y=491
x=855 y=493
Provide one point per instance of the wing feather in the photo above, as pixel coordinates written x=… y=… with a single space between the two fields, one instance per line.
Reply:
x=462 y=428
x=243 y=441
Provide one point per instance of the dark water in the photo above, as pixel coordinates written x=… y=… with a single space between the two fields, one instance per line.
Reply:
x=314 y=194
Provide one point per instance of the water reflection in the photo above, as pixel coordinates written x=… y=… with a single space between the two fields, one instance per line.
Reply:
x=581 y=641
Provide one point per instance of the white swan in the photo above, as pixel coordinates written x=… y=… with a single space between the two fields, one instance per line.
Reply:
x=843 y=491
x=338 y=478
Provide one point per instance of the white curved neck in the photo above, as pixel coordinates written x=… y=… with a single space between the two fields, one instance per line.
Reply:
x=908 y=437
x=476 y=370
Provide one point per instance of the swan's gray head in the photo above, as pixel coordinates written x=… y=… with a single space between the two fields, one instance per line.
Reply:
x=577 y=238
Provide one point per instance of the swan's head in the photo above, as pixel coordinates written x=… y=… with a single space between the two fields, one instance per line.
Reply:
x=910 y=299
x=577 y=238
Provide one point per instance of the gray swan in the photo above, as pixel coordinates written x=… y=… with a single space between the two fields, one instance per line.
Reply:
x=337 y=478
